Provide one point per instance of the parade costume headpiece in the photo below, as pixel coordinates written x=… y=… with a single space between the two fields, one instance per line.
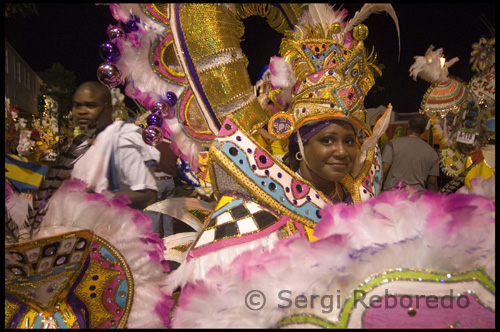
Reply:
x=462 y=115
x=329 y=71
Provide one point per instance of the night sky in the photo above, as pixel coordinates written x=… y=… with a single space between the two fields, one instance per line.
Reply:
x=72 y=33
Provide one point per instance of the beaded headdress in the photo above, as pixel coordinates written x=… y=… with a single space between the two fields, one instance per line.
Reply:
x=330 y=69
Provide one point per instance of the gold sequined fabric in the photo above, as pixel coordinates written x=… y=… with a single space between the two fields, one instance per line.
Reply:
x=332 y=78
x=69 y=280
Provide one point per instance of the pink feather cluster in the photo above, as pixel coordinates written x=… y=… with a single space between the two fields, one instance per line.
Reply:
x=452 y=233
x=282 y=77
x=129 y=231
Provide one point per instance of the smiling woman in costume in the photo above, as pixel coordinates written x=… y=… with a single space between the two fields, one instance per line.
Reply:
x=318 y=88
x=282 y=230
x=327 y=153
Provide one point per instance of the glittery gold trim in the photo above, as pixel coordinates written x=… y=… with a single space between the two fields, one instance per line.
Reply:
x=353 y=184
x=221 y=58
x=29 y=318
x=208 y=28
x=46 y=296
x=33 y=288
x=11 y=309
x=272 y=14
x=128 y=276
x=328 y=72
x=98 y=311
x=42 y=301
x=288 y=230
x=161 y=9
x=68 y=315
x=251 y=116
x=194 y=119
x=169 y=61
x=223 y=83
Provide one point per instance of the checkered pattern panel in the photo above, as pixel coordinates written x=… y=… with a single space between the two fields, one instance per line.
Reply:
x=236 y=219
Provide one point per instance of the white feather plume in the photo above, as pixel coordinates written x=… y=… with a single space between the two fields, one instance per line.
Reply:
x=282 y=77
x=321 y=13
x=17 y=206
x=378 y=130
x=373 y=8
x=429 y=67
x=367 y=10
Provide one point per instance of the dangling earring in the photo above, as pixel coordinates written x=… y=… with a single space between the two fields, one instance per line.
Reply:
x=298 y=156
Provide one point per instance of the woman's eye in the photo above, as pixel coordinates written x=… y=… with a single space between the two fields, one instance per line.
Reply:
x=349 y=141
x=327 y=140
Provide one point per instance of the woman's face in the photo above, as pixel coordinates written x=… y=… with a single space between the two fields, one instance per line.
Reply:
x=330 y=154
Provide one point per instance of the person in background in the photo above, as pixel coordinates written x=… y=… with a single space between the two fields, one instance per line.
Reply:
x=411 y=161
x=118 y=159
x=165 y=174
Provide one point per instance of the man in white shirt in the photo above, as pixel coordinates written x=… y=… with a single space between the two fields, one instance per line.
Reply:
x=118 y=159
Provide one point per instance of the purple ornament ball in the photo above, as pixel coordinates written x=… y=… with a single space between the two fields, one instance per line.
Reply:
x=155 y=119
x=132 y=24
x=109 y=75
x=109 y=51
x=159 y=107
x=115 y=32
x=171 y=99
x=152 y=135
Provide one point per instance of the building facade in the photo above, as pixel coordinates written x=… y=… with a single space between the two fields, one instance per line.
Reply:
x=22 y=84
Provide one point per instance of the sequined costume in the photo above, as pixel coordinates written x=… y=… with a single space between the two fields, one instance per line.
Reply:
x=94 y=263
x=272 y=231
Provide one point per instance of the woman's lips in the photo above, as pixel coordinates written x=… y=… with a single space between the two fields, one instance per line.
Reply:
x=338 y=166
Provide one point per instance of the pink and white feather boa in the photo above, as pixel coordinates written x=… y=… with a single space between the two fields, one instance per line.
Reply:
x=452 y=233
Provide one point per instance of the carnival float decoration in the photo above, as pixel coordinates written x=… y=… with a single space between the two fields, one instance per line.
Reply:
x=262 y=237
x=273 y=251
x=462 y=114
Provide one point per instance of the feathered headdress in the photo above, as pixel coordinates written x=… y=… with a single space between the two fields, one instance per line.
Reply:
x=330 y=68
x=432 y=67
x=445 y=94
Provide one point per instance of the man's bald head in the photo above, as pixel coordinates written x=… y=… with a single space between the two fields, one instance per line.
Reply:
x=97 y=88
x=92 y=103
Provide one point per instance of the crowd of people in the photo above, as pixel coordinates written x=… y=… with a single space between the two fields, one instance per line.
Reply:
x=335 y=218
